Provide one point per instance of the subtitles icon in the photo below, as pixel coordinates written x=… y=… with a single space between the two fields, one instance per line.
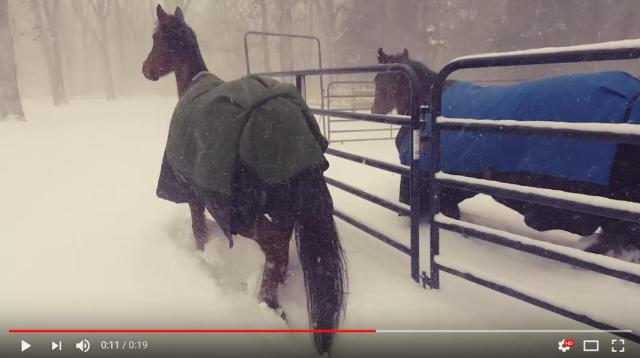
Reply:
x=566 y=344
x=83 y=345
x=592 y=345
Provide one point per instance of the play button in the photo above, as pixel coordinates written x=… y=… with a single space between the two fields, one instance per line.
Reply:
x=24 y=346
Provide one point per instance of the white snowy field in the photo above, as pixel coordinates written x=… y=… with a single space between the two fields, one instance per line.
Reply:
x=85 y=243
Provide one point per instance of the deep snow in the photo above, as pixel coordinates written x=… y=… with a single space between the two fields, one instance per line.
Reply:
x=84 y=242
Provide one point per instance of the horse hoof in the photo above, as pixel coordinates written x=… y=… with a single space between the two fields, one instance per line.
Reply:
x=277 y=309
x=280 y=312
x=200 y=246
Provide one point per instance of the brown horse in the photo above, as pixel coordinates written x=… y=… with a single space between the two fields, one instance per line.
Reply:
x=392 y=91
x=303 y=202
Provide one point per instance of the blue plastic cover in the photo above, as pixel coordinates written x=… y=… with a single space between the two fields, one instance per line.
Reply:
x=606 y=97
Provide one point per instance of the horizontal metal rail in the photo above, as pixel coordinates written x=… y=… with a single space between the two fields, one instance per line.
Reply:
x=369 y=197
x=375 y=233
x=362 y=82
x=349 y=109
x=611 y=208
x=621 y=132
x=621 y=270
x=362 y=130
x=475 y=278
x=556 y=55
x=394 y=67
x=394 y=168
x=367 y=95
x=359 y=139
x=376 y=118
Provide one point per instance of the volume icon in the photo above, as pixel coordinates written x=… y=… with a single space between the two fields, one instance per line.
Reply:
x=83 y=345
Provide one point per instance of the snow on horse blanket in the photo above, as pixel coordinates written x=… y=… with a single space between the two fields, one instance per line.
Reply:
x=607 y=97
x=254 y=123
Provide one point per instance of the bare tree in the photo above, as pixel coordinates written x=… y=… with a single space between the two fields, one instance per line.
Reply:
x=93 y=15
x=10 y=103
x=264 y=16
x=284 y=21
x=47 y=18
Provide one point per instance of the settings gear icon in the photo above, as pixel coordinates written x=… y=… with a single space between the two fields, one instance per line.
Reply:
x=565 y=345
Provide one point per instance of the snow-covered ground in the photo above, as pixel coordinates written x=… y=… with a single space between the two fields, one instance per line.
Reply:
x=85 y=243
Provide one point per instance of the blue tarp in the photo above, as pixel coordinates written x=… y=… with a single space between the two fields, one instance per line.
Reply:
x=607 y=97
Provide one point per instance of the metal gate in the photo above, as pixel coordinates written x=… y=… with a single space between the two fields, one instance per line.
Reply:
x=616 y=209
x=365 y=91
x=416 y=121
x=289 y=36
x=629 y=211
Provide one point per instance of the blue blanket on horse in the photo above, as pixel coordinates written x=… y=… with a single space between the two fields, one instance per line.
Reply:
x=607 y=97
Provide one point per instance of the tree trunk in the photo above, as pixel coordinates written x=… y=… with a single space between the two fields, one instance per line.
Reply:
x=107 y=72
x=121 y=46
x=10 y=103
x=109 y=89
x=266 y=54
x=286 y=48
x=86 y=48
x=47 y=29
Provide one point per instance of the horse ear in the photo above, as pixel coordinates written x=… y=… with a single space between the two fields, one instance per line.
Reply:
x=178 y=14
x=405 y=54
x=382 y=57
x=162 y=16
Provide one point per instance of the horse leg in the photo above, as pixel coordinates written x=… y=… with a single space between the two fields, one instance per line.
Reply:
x=274 y=239
x=616 y=236
x=198 y=223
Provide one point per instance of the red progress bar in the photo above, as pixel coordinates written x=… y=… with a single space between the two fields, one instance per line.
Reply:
x=192 y=331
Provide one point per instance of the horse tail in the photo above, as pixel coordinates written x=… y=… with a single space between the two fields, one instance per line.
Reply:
x=321 y=256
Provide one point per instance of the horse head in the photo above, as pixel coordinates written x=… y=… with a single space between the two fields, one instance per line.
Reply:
x=392 y=88
x=173 y=43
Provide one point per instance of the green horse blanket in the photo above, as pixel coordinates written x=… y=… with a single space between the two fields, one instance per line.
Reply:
x=258 y=123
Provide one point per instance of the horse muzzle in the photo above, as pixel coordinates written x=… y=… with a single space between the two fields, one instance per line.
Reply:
x=148 y=73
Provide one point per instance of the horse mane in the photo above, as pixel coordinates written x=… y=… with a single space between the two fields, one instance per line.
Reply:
x=179 y=34
x=426 y=78
x=425 y=74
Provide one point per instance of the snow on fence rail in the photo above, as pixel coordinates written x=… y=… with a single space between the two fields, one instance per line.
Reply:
x=630 y=44
x=528 y=295
x=619 y=132
x=623 y=210
x=600 y=263
x=617 y=209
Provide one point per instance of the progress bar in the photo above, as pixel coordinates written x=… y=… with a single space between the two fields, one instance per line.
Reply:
x=164 y=331
x=502 y=331
x=155 y=331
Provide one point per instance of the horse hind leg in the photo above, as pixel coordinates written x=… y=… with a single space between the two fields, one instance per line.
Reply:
x=199 y=224
x=274 y=241
x=617 y=236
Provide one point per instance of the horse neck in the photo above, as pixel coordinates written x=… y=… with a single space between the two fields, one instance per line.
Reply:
x=187 y=69
x=425 y=81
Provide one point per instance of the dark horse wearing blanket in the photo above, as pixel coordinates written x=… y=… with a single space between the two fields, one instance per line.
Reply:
x=606 y=170
x=265 y=211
